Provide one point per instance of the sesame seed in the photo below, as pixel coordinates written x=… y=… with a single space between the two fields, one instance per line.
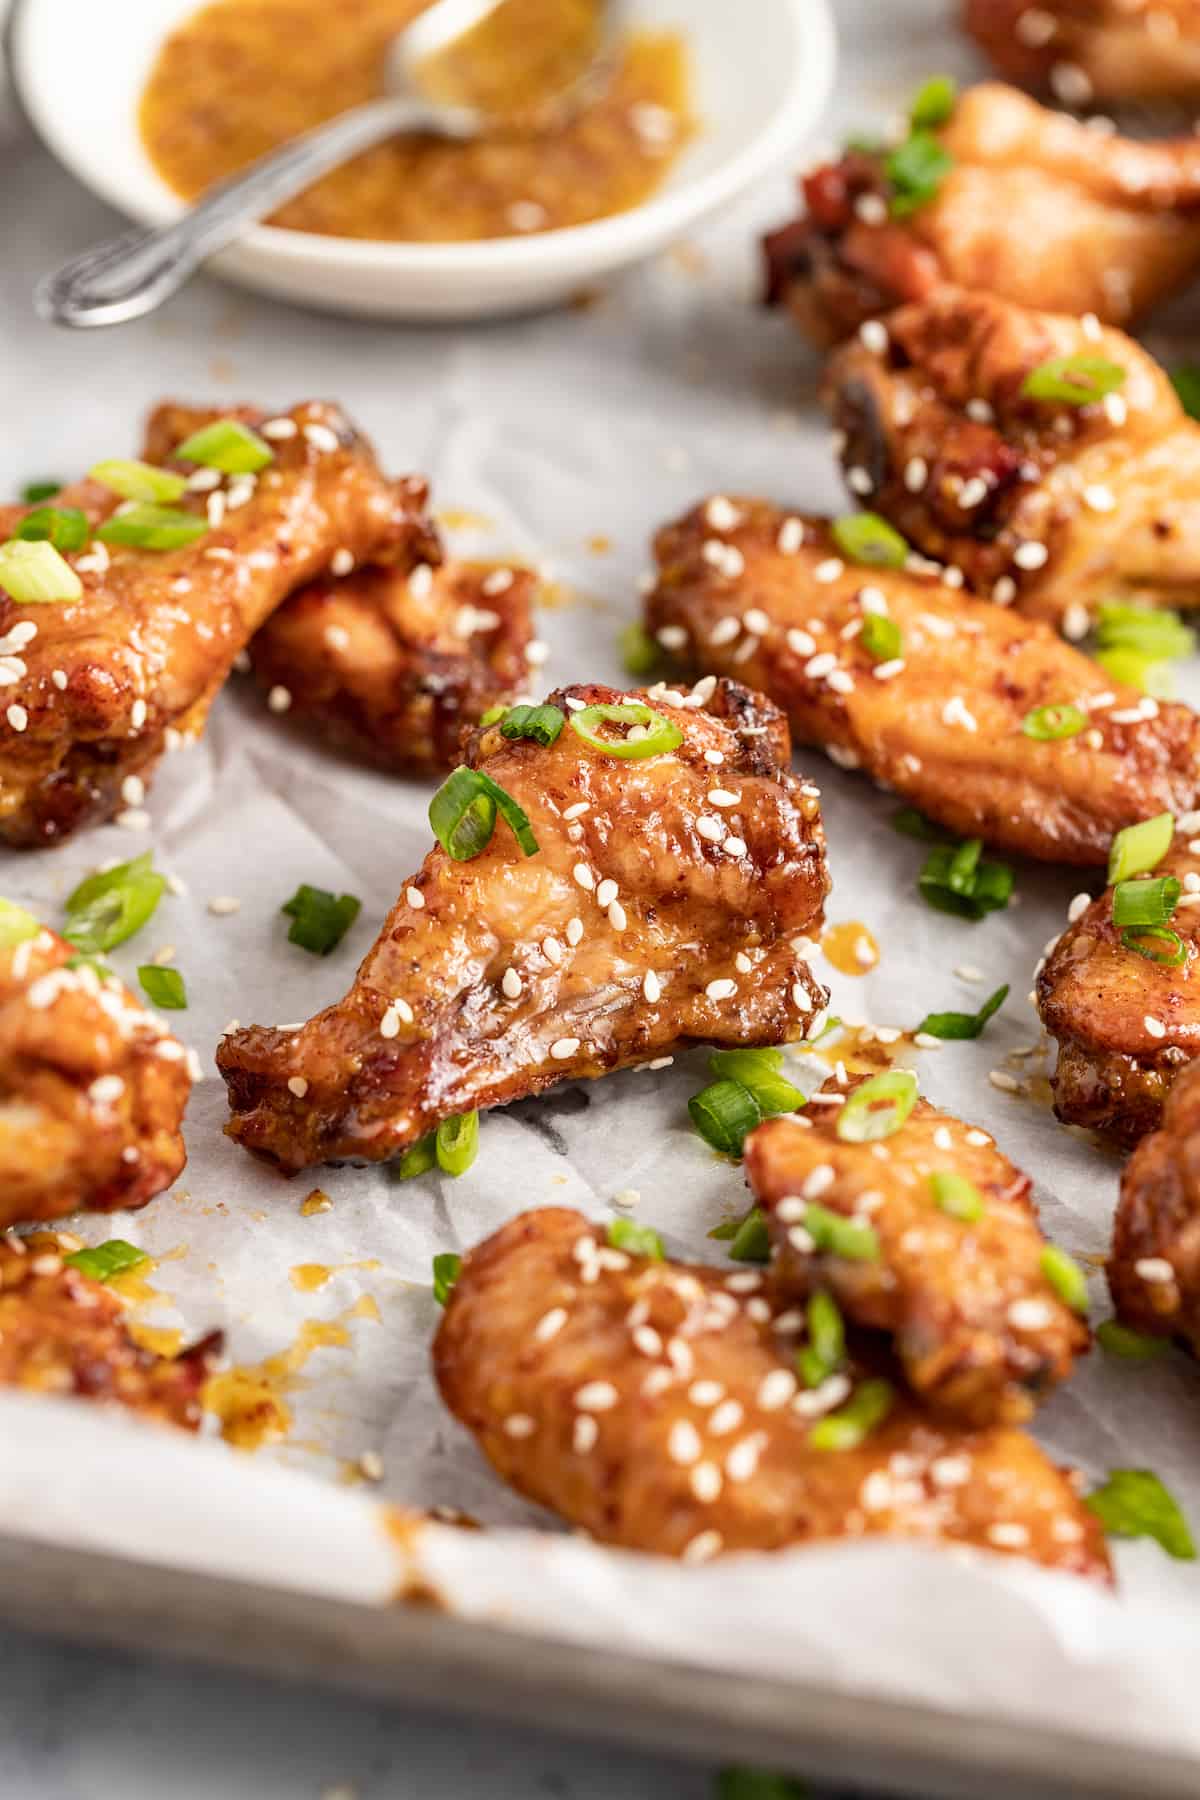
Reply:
x=706 y=1482
x=17 y=717
x=278 y=429
x=279 y=699
x=584 y=1434
x=706 y=1393
x=1154 y=1269
x=712 y=829
x=1008 y=1536
x=583 y=876
x=562 y=1048
x=742 y=1461
x=1078 y=907
x=756 y=620
x=221 y=905
x=519 y=1425
x=133 y=790
x=873 y=335
x=723 y=989
x=596 y=1396
x=1031 y=555
x=59 y=678
x=651 y=987
x=321 y=437
x=1007 y=1084
x=672 y=637
x=950 y=1471
x=1116 y=409
x=389 y=1025
x=297 y=1085
x=1005 y=591
x=106 y=1089
x=574 y=932
x=820 y=665
x=1101 y=499
x=726 y=1418
x=722 y=797
x=341 y=562
x=552 y=950
x=871 y=209
x=978 y=1138
x=721 y=513
x=791 y=537
x=775 y=1390
x=924 y=1040
x=510 y=984
x=683 y=1443
x=1076 y=622
x=859 y=482
x=607 y=892
x=647 y=1340
x=801 y=642
x=972 y=493
x=887 y=671
x=703 y=1547
x=550 y=1324
x=1154 y=1026
x=1029 y=1315
x=829 y=570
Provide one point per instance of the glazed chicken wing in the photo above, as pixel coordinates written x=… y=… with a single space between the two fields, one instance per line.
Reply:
x=1036 y=208
x=1052 y=506
x=91 y=688
x=1088 y=52
x=937 y=712
x=1125 y=1025
x=92 y=1086
x=61 y=1332
x=951 y=1272
x=655 y=1405
x=658 y=910
x=1154 y=1264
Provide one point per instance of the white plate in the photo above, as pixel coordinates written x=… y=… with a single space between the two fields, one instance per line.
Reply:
x=762 y=72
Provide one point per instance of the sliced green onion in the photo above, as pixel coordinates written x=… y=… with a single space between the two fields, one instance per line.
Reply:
x=463 y=815
x=913 y=824
x=1151 y=675
x=1049 y=724
x=661 y=734
x=34 y=491
x=227 y=445
x=445 y=1274
x=758 y=1784
x=105 y=910
x=103 y=1261
x=163 y=987
x=418 y=1159
x=637 y=1240
x=1134 y=1503
x=1073 y=380
x=955 y=880
x=1133 y=1346
x=143 y=527
x=878 y=1108
x=758 y=1070
x=139 y=481
x=916 y=170
x=833 y=1234
x=1186 y=382
x=847 y=1429
x=881 y=637
x=541 y=723
x=640 y=654
x=97 y=963
x=492 y=714
x=16 y=925
x=66 y=527
x=1145 y=902
x=1065 y=1277
x=724 y=1114
x=1140 y=847
x=457 y=1143
x=933 y=103
x=1151 y=631
x=825 y=1351
x=866 y=538
x=1145 y=940
x=751 y=1241
x=33 y=573
x=320 y=920
x=955 y=1194
x=964 y=1025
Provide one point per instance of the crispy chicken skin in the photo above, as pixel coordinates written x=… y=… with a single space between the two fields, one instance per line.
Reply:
x=1125 y=1026
x=92 y=1089
x=1054 y=506
x=63 y=1333
x=89 y=699
x=1089 y=52
x=768 y=598
x=1154 y=1263
x=617 y=942
x=978 y=1330
x=1037 y=209
x=655 y=1405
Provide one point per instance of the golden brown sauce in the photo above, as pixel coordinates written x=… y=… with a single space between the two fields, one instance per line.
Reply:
x=248 y=1399
x=308 y=1277
x=456 y=518
x=517 y=59
x=858 y=1050
x=240 y=77
x=316 y=1202
x=851 y=948
x=160 y=1340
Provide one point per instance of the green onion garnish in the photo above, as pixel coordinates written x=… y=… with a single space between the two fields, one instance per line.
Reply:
x=825 y=1351
x=913 y=824
x=445 y=1274
x=1145 y=902
x=846 y=1430
x=1048 y=724
x=163 y=987
x=227 y=445
x=758 y=1784
x=1140 y=847
x=1134 y=1503
x=1152 y=633
x=637 y=1240
x=493 y=714
x=955 y=1195
x=640 y=654
x=866 y=538
x=955 y=880
x=1149 y=674
x=878 y=1108
x=457 y=1143
x=1186 y=382
x=881 y=637
x=1157 y=944
x=66 y=527
x=144 y=527
x=833 y=1234
x=934 y=103
x=16 y=925
x=916 y=170
x=541 y=723
x=34 y=573
x=724 y=1114
x=35 y=491
x=1065 y=1277
x=661 y=734
x=418 y=1159
x=751 y=1241
x=105 y=910
x=1132 y=1346
x=320 y=920
x=463 y=815
x=1073 y=380
x=964 y=1025
x=758 y=1070
x=139 y=481
x=103 y=1261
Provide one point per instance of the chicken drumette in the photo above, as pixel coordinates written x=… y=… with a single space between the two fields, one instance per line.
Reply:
x=656 y=1405
x=1035 y=208
x=1051 y=505
x=92 y=1086
x=1154 y=1264
x=1088 y=52
x=940 y=704
x=658 y=909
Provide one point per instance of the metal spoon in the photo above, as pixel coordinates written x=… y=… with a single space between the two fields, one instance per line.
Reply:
x=131 y=275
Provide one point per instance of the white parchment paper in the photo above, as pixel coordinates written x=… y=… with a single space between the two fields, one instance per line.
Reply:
x=596 y=423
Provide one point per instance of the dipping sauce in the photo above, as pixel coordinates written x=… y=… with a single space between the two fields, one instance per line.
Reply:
x=851 y=948
x=242 y=76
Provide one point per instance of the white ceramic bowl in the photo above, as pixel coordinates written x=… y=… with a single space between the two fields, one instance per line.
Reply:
x=763 y=70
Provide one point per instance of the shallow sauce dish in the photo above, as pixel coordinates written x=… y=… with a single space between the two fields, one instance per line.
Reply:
x=761 y=74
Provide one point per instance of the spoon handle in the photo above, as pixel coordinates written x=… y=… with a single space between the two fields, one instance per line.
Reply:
x=132 y=274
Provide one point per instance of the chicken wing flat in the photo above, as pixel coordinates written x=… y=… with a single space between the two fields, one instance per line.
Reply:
x=655 y=1404
x=748 y=589
x=1036 y=208
x=1089 y=52
x=92 y=1087
x=1125 y=1025
x=1154 y=1264
x=948 y=1254
x=658 y=910
x=1048 y=505
x=92 y=687
x=61 y=1332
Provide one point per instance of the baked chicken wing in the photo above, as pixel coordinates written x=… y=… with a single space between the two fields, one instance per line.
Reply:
x=1154 y=1264
x=940 y=704
x=947 y=1254
x=92 y=687
x=1088 y=52
x=61 y=1332
x=92 y=1086
x=655 y=1404
x=658 y=909
x=1047 y=504
x=1035 y=208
